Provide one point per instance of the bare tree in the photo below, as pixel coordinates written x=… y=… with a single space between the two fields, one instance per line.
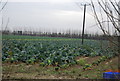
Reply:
x=3 y=5
x=112 y=11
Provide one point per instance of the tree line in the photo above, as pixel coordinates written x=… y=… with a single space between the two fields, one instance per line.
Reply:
x=57 y=34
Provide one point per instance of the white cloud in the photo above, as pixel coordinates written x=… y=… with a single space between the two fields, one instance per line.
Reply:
x=38 y=0
x=67 y=13
x=52 y=1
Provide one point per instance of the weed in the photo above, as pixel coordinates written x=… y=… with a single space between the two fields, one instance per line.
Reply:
x=81 y=62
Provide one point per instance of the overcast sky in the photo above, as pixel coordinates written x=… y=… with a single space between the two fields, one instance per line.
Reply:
x=48 y=15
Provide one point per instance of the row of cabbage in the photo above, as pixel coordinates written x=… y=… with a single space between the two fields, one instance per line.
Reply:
x=50 y=52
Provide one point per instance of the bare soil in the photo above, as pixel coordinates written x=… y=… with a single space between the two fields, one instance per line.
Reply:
x=35 y=71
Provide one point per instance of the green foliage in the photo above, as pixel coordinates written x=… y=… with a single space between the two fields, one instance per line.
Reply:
x=94 y=53
x=57 y=68
x=81 y=62
x=64 y=65
x=101 y=59
x=87 y=66
x=42 y=64
x=30 y=61
x=49 y=51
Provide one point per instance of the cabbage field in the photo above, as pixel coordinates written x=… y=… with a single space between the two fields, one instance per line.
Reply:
x=51 y=51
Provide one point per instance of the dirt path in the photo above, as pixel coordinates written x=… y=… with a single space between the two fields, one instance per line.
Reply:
x=23 y=71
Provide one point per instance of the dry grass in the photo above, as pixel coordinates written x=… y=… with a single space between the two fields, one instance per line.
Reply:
x=23 y=71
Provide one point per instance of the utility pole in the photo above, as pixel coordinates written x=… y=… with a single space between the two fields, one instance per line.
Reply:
x=84 y=21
